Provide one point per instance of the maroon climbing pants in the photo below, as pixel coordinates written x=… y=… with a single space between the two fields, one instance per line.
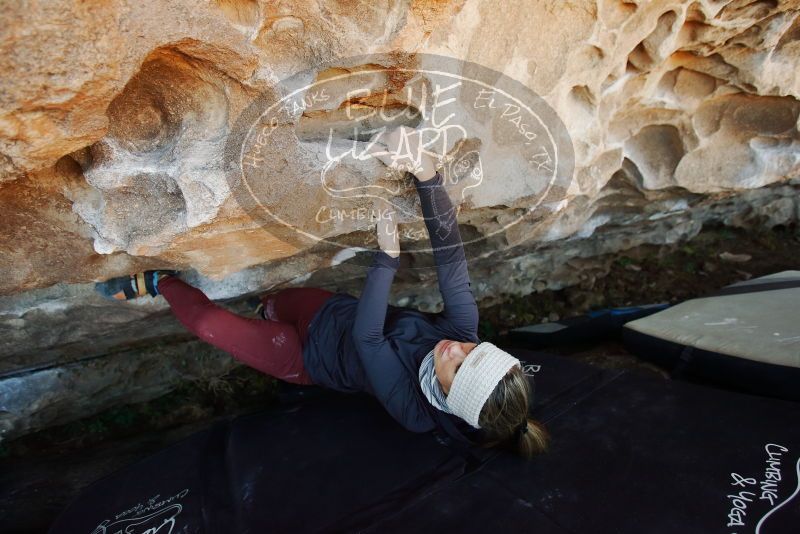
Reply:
x=273 y=346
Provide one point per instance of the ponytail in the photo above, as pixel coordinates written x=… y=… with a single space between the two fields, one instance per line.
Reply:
x=504 y=418
x=533 y=441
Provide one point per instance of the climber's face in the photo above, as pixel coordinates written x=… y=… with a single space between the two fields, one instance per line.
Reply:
x=447 y=358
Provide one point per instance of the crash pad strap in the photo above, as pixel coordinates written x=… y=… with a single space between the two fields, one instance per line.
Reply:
x=755 y=288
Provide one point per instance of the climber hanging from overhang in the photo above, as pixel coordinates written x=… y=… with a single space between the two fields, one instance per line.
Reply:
x=429 y=371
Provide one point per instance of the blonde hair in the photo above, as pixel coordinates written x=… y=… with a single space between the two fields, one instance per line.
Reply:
x=503 y=414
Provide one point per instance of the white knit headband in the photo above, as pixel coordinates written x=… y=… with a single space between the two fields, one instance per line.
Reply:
x=479 y=374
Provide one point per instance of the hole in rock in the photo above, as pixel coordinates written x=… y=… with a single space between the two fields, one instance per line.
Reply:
x=747 y=9
x=582 y=97
x=639 y=60
x=171 y=93
x=696 y=13
x=790 y=36
x=656 y=150
x=662 y=31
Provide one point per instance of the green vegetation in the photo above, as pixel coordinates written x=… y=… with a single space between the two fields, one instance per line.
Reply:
x=624 y=261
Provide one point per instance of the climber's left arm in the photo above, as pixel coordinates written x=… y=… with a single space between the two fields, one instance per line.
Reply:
x=460 y=308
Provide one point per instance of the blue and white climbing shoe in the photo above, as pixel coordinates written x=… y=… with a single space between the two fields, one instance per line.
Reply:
x=132 y=286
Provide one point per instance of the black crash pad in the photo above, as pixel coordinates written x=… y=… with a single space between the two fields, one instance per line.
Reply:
x=589 y=328
x=630 y=453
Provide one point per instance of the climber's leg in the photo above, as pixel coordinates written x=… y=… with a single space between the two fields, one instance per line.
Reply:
x=296 y=305
x=269 y=346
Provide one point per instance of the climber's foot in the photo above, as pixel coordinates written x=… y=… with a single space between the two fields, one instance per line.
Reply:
x=255 y=304
x=133 y=286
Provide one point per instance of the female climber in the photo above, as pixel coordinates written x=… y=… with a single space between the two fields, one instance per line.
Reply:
x=429 y=371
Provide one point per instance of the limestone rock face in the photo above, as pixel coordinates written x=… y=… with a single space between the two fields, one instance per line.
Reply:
x=115 y=118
